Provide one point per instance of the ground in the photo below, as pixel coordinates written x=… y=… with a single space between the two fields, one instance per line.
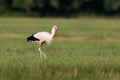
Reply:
x=87 y=50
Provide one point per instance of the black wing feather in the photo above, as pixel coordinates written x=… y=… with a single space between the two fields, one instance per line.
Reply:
x=32 y=38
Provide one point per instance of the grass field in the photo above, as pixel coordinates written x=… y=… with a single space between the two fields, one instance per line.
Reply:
x=89 y=49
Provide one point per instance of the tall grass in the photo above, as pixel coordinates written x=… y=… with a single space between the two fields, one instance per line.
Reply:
x=94 y=57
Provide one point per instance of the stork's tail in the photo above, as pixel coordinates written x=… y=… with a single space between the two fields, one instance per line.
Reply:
x=32 y=38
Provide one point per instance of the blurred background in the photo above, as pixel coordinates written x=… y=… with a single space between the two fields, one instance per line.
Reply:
x=60 y=8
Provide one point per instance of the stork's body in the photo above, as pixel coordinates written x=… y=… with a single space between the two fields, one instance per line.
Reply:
x=43 y=37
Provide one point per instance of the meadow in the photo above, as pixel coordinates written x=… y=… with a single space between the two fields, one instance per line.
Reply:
x=89 y=49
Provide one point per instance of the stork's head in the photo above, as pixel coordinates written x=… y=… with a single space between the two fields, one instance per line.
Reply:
x=55 y=28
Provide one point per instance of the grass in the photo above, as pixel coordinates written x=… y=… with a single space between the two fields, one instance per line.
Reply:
x=88 y=50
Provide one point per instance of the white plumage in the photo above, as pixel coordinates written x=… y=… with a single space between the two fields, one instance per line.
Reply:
x=43 y=37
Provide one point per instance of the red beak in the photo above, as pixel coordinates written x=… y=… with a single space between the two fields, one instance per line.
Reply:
x=58 y=32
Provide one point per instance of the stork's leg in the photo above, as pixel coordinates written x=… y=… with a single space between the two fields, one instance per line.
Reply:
x=41 y=53
x=41 y=47
x=44 y=55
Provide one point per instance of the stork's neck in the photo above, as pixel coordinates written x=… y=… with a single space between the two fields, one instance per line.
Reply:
x=52 y=32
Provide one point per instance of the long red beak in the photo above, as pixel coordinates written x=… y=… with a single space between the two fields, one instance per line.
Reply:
x=58 y=32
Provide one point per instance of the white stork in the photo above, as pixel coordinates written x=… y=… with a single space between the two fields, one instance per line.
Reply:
x=43 y=37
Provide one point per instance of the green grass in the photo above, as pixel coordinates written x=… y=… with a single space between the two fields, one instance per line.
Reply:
x=89 y=50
